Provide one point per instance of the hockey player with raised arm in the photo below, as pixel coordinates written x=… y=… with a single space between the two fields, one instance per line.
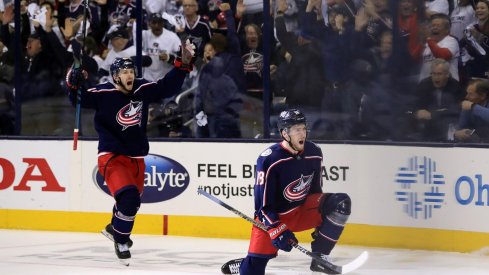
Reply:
x=121 y=116
x=288 y=198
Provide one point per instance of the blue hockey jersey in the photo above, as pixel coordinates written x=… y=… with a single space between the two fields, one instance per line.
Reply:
x=120 y=119
x=284 y=180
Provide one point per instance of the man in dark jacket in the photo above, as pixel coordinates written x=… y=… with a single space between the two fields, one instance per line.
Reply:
x=437 y=100
x=219 y=99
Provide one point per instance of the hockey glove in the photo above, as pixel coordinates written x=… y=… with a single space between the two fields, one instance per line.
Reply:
x=184 y=60
x=201 y=119
x=282 y=237
x=75 y=77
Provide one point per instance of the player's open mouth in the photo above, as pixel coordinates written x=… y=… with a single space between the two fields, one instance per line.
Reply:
x=129 y=83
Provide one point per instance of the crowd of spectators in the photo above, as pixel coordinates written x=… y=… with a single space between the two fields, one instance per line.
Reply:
x=358 y=68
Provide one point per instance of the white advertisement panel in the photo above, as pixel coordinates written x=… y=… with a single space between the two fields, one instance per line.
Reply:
x=34 y=175
x=423 y=187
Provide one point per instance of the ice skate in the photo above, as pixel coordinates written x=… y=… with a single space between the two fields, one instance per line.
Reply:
x=231 y=267
x=108 y=232
x=123 y=253
x=317 y=266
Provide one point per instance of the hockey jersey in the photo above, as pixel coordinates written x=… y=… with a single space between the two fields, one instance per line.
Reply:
x=284 y=180
x=120 y=119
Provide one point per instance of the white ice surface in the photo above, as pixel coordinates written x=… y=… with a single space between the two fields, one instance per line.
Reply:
x=52 y=253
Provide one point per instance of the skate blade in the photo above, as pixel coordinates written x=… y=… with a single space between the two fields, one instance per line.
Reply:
x=124 y=262
x=107 y=234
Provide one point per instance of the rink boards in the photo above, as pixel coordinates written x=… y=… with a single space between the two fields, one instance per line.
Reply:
x=403 y=196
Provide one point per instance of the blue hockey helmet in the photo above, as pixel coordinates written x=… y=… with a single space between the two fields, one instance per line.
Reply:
x=290 y=118
x=121 y=63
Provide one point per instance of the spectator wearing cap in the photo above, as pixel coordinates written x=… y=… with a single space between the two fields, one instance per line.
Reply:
x=161 y=45
x=121 y=46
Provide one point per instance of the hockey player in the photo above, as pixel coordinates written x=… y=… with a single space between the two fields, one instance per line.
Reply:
x=289 y=198
x=121 y=115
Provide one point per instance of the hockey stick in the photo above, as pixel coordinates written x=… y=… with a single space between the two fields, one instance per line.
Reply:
x=329 y=268
x=78 y=64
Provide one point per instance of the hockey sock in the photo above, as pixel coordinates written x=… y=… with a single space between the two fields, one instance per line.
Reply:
x=336 y=209
x=253 y=266
x=126 y=207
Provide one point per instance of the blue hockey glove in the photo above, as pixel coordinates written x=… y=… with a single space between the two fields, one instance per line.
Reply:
x=282 y=237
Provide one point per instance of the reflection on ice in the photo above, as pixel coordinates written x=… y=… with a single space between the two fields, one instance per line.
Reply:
x=53 y=253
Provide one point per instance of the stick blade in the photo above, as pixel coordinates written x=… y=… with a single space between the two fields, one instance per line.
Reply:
x=355 y=264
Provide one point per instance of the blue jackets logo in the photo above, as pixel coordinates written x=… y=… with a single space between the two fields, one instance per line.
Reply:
x=421 y=187
x=164 y=179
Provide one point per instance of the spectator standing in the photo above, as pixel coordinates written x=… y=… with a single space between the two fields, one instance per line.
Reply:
x=411 y=18
x=161 y=45
x=42 y=73
x=371 y=21
x=302 y=78
x=118 y=8
x=462 y=16
x=476 y=42
x=252 y=56
x=218 y=102
x=122 y=46
x=439 y=44
x=221 y=83
x=336 y=42
x=229 y=49
x=191 y=25
x=51 y=21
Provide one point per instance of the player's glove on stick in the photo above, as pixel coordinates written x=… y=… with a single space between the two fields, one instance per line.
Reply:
x=75 y=77
x=282 y=237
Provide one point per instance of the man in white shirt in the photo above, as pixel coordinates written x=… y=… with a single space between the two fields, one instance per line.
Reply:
x=160 y=44
x=122 y=46
x=439 y=44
